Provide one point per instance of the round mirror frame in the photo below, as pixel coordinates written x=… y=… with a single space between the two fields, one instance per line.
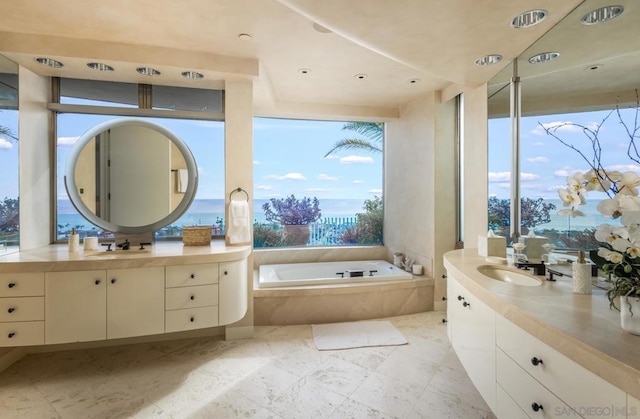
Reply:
x=76 y=200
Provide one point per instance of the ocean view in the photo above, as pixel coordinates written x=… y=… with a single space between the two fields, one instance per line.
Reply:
x=207 y=211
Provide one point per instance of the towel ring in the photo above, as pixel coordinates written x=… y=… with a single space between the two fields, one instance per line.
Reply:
x=239 y=190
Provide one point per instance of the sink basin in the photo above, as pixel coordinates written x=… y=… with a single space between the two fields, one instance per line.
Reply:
x=511 y=276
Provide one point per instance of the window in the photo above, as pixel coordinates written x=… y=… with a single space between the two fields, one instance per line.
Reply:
x=205 y=139
x=9 y=187
x=317 y=183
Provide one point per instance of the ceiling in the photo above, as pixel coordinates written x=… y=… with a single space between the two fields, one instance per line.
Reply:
x=404 y=52
x=597 y=67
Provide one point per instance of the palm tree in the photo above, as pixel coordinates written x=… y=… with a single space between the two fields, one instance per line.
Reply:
x=6 y=133
x=372 y=131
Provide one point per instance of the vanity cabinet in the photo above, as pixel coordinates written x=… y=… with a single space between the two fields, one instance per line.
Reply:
x=472 y=336
x=233 y=291
x=191 y=297
x=525 y=359
x=76 y=306
x=135 y=302
x=21 y=309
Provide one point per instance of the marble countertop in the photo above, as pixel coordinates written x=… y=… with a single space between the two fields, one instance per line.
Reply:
x=582 y=327
x=55 y=258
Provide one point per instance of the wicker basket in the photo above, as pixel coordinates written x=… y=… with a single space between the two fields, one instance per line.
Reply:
x=196 y=236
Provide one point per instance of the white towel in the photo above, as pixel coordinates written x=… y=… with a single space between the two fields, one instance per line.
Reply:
x=183 y=180
x=239 y=223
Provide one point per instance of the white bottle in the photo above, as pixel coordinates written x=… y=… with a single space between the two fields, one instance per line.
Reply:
x=74 y=241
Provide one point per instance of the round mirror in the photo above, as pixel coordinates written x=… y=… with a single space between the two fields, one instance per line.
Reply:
x=130 y=176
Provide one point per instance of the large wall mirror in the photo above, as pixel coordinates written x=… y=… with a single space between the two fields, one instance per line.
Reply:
x=130 y=176
x=583 y=72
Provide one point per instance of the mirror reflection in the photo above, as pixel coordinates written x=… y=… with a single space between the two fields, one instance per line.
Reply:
x=130 y=176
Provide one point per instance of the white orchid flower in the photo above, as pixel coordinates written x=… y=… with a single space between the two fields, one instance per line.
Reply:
x=621 y=245
x=571 y=213
x=628 y=203
x=576 y=183
x=609 y=234
x=609 y=255
x=597 y=181
x=629 y=183
x=633 y=252
x=570 y=198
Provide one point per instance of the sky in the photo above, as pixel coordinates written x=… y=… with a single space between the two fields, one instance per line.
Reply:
x=545 y=162
x=288 y=157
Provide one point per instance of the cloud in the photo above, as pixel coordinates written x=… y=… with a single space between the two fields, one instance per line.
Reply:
x=375 y=191
x=624 y=167
x=538 y=159
x=256 y=162
x=288 y=176
x=499 y=177
x=356 y=160
x=332 y=156
x=562 y=126
x=264 y=187
x=358 y=181
x=62 y=141
x=323 y=176
x=318 y=190
x=566 y=171
x=5 y=144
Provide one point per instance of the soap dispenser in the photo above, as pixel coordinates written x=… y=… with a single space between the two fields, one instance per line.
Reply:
x=74 y=241
x=581 y=273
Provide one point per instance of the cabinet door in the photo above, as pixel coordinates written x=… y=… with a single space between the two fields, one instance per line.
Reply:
x=75 y=306
x=473 y=337
x=232 y=291
x=135 y=302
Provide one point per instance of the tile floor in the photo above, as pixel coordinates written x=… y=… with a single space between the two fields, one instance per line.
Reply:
x=278 y=374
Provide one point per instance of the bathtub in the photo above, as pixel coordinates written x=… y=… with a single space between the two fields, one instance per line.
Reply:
x=300 y=274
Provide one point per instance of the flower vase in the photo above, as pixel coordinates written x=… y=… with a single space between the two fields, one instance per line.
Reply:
x=630 y=314
x=297 y=235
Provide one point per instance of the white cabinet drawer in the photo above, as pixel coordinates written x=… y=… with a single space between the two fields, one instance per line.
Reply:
x=191 y=318
x=21 y=284
x=188 y=275
x=535 y=400
x=21 y=309
x=186 y=297
x=22 y=333
x=557 y=372
x=506 y=408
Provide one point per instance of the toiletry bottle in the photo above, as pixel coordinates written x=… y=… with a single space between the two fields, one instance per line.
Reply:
x=581 y=273
x=74 y=241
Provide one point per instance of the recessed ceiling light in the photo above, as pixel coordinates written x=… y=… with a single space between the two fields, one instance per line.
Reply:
x=544 y=57
x=361 y=76
x=192 y=75
x=304 y=71
x=602 y=14
x=244 y=36
x=489 y=59
x=100 y=67
x=320 y=28
x=528 y=19
x=49 y=62
x=148 y=71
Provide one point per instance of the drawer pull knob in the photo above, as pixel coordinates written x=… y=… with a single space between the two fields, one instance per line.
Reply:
x=535 y=406
x=536 y=361
x=444 y=276
x=444 y=321
x=113 y=280
x=226 y=273
x=12 y=284
x=11 y=334
x=193 y=276
x=11 y=310
x=193 y=319
x=444 y=298
x=460 y=298
x=465 y=304
x=98 y=282
x=193 y=297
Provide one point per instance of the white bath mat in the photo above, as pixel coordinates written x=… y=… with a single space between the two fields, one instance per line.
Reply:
x=356 y=335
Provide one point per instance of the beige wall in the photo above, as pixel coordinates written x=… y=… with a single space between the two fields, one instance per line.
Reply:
x=474 y=179
x=409 y=187
x=239 y=170
x=35 y=159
